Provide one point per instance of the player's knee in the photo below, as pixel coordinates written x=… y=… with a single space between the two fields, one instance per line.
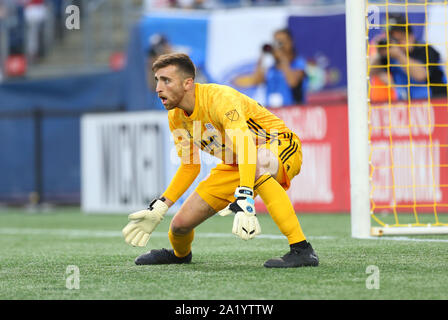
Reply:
x=178 y=226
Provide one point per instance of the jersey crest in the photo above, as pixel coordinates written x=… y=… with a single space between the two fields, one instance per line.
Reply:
x=233 y=115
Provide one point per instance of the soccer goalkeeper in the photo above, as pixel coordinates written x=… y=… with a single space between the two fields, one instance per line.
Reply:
x=260 y=157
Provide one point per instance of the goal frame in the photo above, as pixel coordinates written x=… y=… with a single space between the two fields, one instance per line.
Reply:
x=358 y=117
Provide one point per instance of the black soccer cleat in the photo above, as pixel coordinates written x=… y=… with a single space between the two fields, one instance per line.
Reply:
x=161 y=256
x=296 y=257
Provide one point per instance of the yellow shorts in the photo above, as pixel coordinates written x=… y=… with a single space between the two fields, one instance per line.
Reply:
x=218 y=188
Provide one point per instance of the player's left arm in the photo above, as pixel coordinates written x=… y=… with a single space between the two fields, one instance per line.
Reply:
x=238 y=135
x=232 y=119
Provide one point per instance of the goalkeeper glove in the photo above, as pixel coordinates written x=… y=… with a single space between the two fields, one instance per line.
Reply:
x=245 y=223
x=142 y=223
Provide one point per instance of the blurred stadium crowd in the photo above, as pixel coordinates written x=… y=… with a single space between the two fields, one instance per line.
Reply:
x=50 y=75
x=29 y=29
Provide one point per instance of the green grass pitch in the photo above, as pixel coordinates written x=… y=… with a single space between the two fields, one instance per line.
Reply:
x=37 y=248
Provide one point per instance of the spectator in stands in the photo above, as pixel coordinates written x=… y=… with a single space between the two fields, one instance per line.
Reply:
x=404 y=50
x=35 y=16
x=381 y=85
x=16 y=23
x=285 y=80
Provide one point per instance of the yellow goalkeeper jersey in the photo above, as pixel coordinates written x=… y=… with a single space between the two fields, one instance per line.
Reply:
x=219 y=110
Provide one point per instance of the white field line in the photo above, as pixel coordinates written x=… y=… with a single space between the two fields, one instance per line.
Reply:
x=411 y=239
x=82 y=233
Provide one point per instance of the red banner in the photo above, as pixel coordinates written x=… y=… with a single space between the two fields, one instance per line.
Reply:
x=409 y=156
x=323 y=181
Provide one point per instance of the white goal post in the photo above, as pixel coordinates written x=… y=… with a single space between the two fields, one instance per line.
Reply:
x=357 y=117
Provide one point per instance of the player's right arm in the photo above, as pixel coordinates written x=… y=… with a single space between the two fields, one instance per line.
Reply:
x=182 y=180
x=190 y=164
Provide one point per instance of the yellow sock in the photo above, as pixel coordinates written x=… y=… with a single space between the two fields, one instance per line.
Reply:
x=280 y=208
x=181 y=243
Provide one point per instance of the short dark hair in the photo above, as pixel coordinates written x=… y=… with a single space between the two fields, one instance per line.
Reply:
x=180 y=60
x=398 y=23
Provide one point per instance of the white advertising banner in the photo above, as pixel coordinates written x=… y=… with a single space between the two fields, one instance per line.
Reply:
x=122 y=160
x=128 y=159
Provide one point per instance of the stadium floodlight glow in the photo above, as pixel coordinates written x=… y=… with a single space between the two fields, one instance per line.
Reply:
x=397 y=140
x=357 y=117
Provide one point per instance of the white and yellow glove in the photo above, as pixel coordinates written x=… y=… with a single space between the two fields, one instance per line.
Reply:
x=245 y=223
x=142 y=223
